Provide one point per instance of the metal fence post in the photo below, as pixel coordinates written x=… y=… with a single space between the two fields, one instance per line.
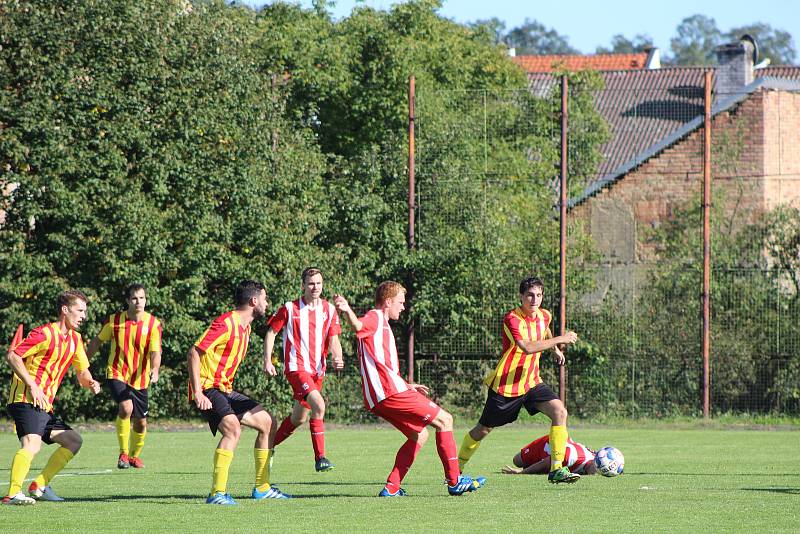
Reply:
x=562 y=378
x=706 y=245
x=411 y=207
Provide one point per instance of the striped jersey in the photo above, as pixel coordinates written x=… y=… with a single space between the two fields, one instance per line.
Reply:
x=377 y=356
x=47 y=354
x=306 y=334
x=131 y=345
x=517 y=372
x=222 y=347
x=576 y=455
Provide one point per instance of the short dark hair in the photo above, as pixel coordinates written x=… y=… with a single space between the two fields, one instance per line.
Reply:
x=69 y=298
x=528 y=283
x=246 y=290
x=308 y=272
x=133 y=288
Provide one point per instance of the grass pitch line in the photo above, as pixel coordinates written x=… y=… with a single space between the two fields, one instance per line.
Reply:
x=103 y=472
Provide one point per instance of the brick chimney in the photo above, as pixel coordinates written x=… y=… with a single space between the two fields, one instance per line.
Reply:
x=735 y=65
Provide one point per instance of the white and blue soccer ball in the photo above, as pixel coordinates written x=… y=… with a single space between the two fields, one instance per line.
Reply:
x=609 y=461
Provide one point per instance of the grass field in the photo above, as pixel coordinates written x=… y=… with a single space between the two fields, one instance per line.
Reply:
x=676 y=480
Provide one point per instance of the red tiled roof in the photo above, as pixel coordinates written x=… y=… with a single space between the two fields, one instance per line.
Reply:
x=789 y=72
x=532 y=64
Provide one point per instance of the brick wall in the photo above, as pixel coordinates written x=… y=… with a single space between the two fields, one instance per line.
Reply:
x=755 y=166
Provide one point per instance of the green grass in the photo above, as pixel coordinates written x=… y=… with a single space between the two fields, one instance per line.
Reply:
x=676 y=480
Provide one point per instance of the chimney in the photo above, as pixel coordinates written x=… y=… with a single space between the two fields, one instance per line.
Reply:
x=735 y=65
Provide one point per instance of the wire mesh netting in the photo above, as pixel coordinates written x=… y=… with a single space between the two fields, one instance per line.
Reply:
x=635 y=159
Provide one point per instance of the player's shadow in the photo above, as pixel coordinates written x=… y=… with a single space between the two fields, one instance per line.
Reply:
x=148 y=498
x=331 y=483
x=715 y=475
x=788 y=491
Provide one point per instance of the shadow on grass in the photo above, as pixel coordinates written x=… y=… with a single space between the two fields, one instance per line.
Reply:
x=788 y=491
x=715 y=475
x=198 y=499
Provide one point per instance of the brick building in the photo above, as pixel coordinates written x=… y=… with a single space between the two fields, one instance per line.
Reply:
x=653 y=163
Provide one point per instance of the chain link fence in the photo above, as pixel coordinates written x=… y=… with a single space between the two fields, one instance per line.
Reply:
x=636 y=198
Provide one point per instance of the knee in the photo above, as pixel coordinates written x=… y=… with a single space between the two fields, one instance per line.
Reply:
x=443 y=421
x=140 y=425
x=233 y=431
x=301 y=418
x=73 y=442
x=125 y=410
x=480 y=432
x=268 y=424
x=560 y=415
x=422 y=437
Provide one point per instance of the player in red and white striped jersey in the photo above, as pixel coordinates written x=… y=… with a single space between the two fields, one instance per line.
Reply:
x=389 y=396
x=534 y=458
x=310 y=327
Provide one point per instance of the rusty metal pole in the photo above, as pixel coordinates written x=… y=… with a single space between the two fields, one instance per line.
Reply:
x=707 y=245
x=562 y=308
x=411 y=208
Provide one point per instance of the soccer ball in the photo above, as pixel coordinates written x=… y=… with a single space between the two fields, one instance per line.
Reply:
x=609 y=461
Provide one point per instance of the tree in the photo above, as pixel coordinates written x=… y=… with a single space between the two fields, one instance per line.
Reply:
x=533 y=38
x=144 y=145
x=775 y=44
x=622 y=45
x=494 y=28
x=696 y=38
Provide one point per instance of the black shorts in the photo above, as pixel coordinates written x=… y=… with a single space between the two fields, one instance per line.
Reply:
x=32 y=420
x=500 y=410
x=120 y=391
x=223 y=404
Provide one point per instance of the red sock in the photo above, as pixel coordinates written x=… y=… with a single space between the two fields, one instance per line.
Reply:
x=317 y=437
x=284 y=431
x=402 y=463
x=446 y=446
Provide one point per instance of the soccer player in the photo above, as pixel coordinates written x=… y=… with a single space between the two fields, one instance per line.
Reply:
x=534 y=458
x=310 y=327
x=133 y=364
x=515 y=382
x=393 y=399
x=213 y=361
x=39 y=364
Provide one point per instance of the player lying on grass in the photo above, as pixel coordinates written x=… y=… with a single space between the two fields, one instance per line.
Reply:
x=534 y=458
x=390 y=397
x=39 y=364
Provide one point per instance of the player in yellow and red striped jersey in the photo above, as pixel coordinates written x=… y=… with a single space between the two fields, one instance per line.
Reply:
x=213 y=361
x=133 y=363
x=39 y=364
x=515 y=382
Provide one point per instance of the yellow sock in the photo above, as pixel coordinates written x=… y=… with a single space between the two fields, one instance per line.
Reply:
x=558 y=446
x=56 y=463
x=20 y=466
x=123 y=434
x=468 y=448
x=222 y=462
x=137 y=443
x=263 y=460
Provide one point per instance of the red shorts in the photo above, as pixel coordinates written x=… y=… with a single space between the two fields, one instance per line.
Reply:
x=304 y=383
x=409 y=411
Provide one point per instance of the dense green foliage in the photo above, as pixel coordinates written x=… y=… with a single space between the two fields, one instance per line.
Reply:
x=190 y=145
